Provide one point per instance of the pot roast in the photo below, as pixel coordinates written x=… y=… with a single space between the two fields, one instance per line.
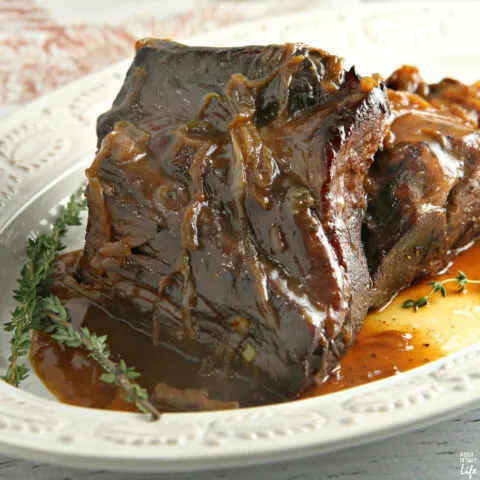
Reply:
x=231 y=217
x=226 y=203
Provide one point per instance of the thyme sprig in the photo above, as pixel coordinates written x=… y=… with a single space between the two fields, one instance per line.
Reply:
x=39 y=310
x=461 y=280
x=115 y=373
x=35 y=278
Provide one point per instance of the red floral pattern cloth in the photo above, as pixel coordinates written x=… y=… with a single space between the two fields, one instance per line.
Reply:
x=45 y=44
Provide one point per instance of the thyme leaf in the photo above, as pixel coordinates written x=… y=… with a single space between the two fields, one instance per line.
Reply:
x=461 y=281
x=118 y=374
x=35 y=279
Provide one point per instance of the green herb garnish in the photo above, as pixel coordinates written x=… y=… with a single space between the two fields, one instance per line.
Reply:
x=115 y=373
x=39 y=310
x=461 y=280
x=33 y=284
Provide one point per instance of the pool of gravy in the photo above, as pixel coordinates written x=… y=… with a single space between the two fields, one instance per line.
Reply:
x=392 y=341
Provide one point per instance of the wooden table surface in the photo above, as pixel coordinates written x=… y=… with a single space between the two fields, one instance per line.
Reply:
x=72 y=29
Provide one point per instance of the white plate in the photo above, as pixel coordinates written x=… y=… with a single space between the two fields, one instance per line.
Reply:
x=44 y=149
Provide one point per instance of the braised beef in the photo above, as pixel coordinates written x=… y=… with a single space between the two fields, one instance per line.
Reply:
x=226 y=203
x=423 y=187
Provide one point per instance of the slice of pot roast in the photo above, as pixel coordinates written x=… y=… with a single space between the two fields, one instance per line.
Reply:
x=225 y=208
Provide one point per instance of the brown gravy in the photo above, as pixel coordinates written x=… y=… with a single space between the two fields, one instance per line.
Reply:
x=391 y=341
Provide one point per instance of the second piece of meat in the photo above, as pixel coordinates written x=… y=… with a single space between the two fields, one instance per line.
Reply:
x=423 y=187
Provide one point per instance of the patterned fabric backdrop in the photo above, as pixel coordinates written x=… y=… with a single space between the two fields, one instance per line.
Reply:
x=47 y=43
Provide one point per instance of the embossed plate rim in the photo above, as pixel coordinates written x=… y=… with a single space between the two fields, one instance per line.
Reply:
x=40 y=429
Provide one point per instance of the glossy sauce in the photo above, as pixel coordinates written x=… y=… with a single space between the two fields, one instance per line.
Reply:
x=378 y=354
x=392 y=341
x=74 y=378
